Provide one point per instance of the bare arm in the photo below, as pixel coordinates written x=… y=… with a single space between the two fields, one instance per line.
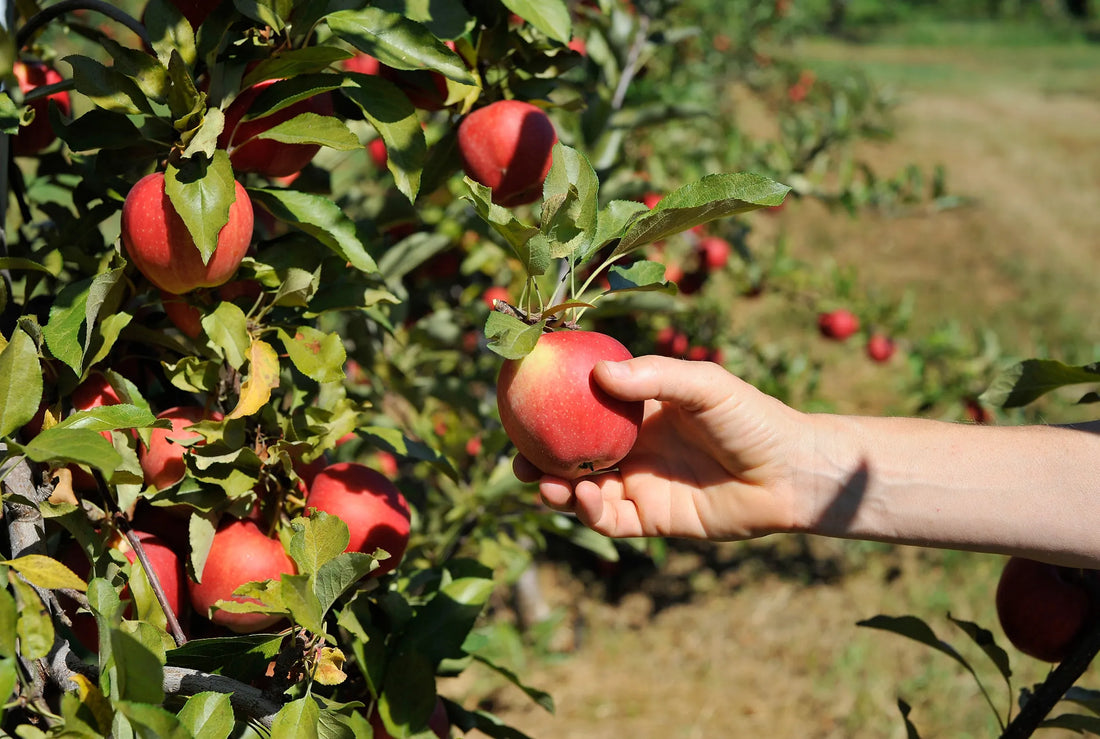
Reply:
x=717 y=459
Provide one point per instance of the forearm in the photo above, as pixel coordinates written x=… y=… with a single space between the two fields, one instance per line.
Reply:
x=1027 y=490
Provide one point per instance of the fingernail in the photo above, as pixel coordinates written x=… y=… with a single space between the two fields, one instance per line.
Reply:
x=616 y=370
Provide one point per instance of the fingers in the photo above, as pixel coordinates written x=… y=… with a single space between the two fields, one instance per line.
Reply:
x=598 y=502
x=694 y=386
x=525 y=470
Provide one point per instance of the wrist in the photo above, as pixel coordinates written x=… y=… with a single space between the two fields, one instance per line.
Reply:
x=830 y=476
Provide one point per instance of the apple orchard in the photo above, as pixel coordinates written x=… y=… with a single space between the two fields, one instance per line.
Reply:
x=288 y=283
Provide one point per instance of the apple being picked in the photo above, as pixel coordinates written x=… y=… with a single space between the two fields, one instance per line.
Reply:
x=508 y=146
x=38 y=134
x=267 y=156
x=556 y=415
x=1043 y=607
x=160 y=246
x=838 y=324
x=240 y=553
x=375 y=511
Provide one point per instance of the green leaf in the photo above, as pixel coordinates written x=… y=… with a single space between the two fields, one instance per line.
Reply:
x=295 y=63
x=444 y=20
x=106 y=87
x=150 y=76
x=241 y=656
x=641 y=275
x=9 y=617
x=540 y=697
x=319 y=217
x=202 y=191
x=714 y=196
x=398 y=42
x=510 y=337
x=74 y=445
x=9 y=677
x=63 y=330
x=200 y=535
x=34 y=627
x=272 y=13
x=408 y=693
x=285 y=93
x=611 y=223
x=297 y=720
x=311 y=128
x=151 y=721
x=316 y=540
x=1074 y=722
x=336 y=576
x=208 y=715
x=570 y=205
x=169 y=32
x=440 y=627
x=227 y=327
x=298 y=598
x=20 y=382
x=533 y=253
x=984 y=639
x=1033 y=378
x=394 y=117
x=1084 y=697
x=317 y=355
x=139 y=674
x=549 y=16
x=411 y=252
x=45 y=572
x=111 y=417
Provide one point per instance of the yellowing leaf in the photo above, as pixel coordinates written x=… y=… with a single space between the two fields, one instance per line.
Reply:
x=94 y=700
x=46 y=572
x=263 y=377
x=328 y=668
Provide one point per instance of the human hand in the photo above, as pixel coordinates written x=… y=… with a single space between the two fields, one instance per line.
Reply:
x=713 y=459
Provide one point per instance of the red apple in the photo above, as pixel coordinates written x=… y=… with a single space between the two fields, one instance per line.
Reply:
x=264 y=156
x=495 y=293
x=240 y=553
x=160 y=246
x=671 y=342
x=438 y=722
x=714 y=251
x=880 y=347
x=651 y=199
x=554 y=412
x=1043 y=607
x=377 y=150
x=38 y=134
x=187 y=317
x=375 y=511
x=424 y=88
x=162 y=461
x=508 y=146
x=976 y=412
x=166 y=564
x=838 y=324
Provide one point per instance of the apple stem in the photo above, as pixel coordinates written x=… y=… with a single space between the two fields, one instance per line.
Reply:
x=1061 y=679
x=154 y=581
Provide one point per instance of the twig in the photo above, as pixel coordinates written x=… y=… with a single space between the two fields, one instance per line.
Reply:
x=40 y=19
x=631 y=67
x=154 y=581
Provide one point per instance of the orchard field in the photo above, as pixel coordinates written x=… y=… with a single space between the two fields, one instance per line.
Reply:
x=263 y=260
x=760 y=639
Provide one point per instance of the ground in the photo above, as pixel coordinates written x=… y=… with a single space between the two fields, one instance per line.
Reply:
x=761 y=638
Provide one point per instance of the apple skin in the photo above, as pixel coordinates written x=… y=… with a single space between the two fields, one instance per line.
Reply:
x=188 y=318
x=1043 y=607
x=714 y=252
x=556 y=415
x=162 y=461
x=880 y=348
x=375 y=511
x=36 y=136
x=166 y=564
x=264 y=156
x=240 y=553
x=160 y=246
x=838 y=324
x=508 y=146
x=495 y=293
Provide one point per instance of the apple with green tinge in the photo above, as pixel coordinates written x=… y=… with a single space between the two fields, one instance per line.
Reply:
x=838 y=324
x=267 y=156
x=240 y=553
x=508 y=146
x=160 y=246
x=162 y=461
x=38 y=134
x=556 y=415
x=375 y=511
x=1042 y=607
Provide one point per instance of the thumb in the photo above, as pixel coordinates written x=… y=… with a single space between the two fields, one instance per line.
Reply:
x=694 y=386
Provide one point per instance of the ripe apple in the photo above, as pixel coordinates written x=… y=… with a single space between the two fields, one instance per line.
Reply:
x=187 y=317
x=555 y=414
x=508 y=146
x=714 y=252
x=161 y=247
x=495 y=293
x=166 y=564
x=1043 y=607
x=880 y=347
x=838 y=324
x=650 y=199
x=377 y=150
x=438 y=722
x=162 y=461
x=672 y=342
x=424 y=88
x=375 y=511
x=38 y=134
x=240 y=553
x=264 y=156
